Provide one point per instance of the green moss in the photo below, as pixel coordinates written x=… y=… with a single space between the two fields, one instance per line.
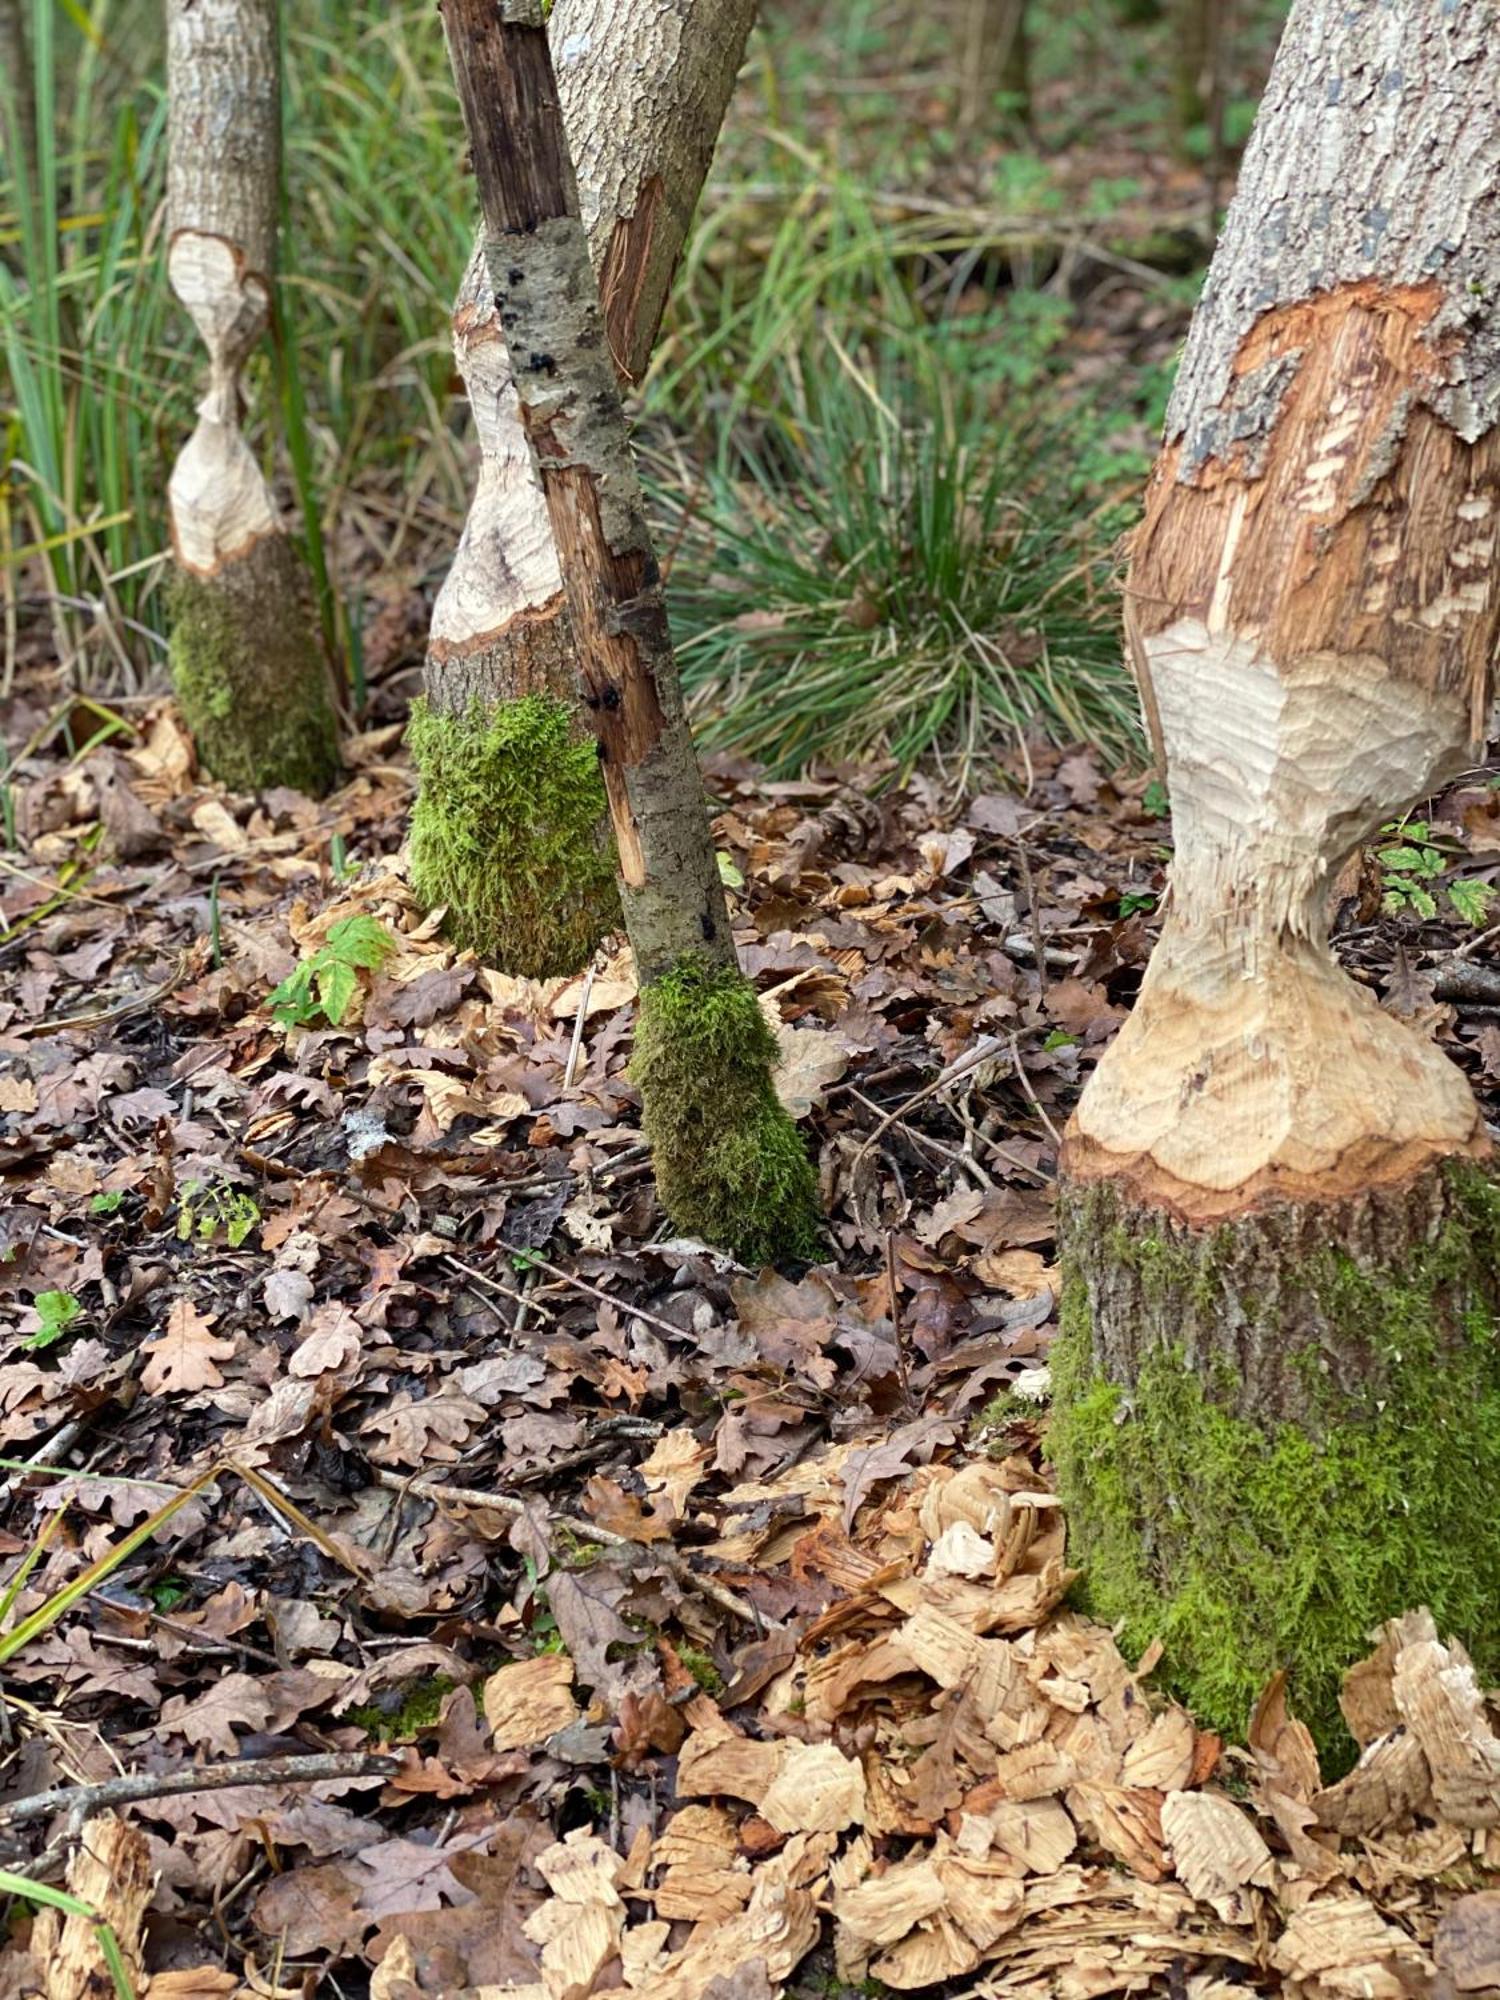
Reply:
x=510 y=832
x=701 y=1667
x=1248 y=1547
x=402 y=1713
x=730 y=1164
x=249 y=678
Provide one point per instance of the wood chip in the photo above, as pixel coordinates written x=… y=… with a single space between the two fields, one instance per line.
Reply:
x=530 y=1700
x=1126 y=1823
x=817 y=1790
x=1162 y=1758
x=111 y=1872
x=1343 y=1946
x=1034 y=1836
x=1216 y=1850
x=1437 y=1696
x=736 y=1768
x=1390 y=1781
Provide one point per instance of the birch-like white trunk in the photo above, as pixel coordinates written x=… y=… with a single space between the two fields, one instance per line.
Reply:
x=248 y=671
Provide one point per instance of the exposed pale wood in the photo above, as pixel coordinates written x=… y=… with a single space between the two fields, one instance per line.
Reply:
x=111 y=1872
x=1313 y=614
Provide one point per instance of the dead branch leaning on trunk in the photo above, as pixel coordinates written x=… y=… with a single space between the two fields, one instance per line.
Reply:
x=730 y=1165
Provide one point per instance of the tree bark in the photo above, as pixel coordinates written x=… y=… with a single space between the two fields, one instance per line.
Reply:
x=643 y=92
x=1281 y=1235
x=997 y=61
x=729 y=1162
x=248 y=671
x=15 y=67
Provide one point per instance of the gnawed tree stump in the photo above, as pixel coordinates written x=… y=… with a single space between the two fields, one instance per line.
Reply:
x=509 y=830
x=249 y=673
x=1278 y=1395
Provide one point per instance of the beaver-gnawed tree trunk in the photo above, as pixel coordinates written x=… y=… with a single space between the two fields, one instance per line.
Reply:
x=729 y=1163
x=1277 y=1390
x=509 y=829
x=249 y=674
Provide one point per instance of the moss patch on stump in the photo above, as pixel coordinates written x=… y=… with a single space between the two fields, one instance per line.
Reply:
x=1244 y=1545
x=730 y=1164
x=249 y=676
x=510 y=831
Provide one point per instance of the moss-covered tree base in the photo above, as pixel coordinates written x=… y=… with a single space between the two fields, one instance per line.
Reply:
x=1251 y=1530
x=249 y=677
x=730 y=1164
x=510 y=833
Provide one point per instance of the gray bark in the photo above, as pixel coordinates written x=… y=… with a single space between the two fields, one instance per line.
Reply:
x=1375 y=156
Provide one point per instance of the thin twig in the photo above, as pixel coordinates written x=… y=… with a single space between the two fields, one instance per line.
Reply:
x=80 y=1802
x=986 y=1051
x=594 y=1292
x=587 y=1531
x=1036 y=1103
x=898 y=1331
x=583 y=1014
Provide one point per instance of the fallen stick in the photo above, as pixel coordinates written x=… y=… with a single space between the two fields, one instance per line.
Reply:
x=587 y=1531
x=81 y=1802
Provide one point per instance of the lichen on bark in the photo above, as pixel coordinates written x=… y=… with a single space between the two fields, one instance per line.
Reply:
x=1267 y=1516
x=509 y=832
x=251 y=683
x=730 y=1164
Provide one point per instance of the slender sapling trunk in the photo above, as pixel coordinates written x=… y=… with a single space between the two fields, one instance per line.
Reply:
x=729 y=1163
x=249 y=673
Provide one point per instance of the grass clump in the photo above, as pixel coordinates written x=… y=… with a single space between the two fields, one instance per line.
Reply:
x=1247 y=1547
x=894 y=559
x=730 y=1164
x=509 y=832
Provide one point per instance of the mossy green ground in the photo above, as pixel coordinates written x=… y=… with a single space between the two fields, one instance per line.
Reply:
x=730 y=1164
x=1244 y=1548
x=248 y=675
x=509 y=831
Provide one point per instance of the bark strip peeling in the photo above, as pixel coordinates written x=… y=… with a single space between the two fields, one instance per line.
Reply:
x=1313 y=613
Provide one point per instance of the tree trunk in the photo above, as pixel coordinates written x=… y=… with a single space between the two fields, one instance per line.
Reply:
x=729 y=1163
x=18 y=96
x=248 y=671
x=997 y=62
x=509 y=831
x=1278 y=1398
x=1191 y=57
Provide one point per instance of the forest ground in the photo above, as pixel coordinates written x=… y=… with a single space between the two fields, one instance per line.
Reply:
x=690 y=1628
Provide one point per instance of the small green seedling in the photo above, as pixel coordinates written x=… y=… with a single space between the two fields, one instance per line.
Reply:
x=324 y=984
x=1412 y=867
x=56 y=1312
x=1154 y=801
x=107 y=1201
x=204 y=1208
x=1137 y=902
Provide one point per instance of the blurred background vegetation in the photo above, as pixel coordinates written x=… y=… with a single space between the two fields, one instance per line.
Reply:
x=906 y=396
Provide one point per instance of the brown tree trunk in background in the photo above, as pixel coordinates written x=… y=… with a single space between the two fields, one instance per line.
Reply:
x=729 y=1163
x=1278 y=1391
x=249 y=673
x=506 y=806
x=18 y=87
x=1192 y=48
x=997 y=61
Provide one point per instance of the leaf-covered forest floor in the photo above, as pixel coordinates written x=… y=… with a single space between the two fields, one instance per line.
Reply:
x=713 y=1620
x=696 y=1632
